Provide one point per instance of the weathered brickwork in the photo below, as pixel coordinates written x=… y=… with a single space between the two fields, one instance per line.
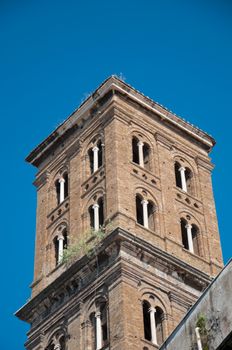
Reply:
x=133 y=264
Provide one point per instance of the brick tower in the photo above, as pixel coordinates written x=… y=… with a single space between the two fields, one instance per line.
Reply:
x=126 y=234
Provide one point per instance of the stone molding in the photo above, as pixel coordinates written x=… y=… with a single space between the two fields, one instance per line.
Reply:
x=79 y=276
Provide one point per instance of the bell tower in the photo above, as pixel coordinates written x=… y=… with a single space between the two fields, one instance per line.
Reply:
x=126 y=233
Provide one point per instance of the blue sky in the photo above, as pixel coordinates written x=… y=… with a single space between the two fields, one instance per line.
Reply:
x=53 y=53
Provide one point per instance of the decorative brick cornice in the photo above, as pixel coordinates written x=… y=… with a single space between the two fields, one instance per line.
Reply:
x=89 y=109
x=163 y=140
x=204 y=163
x=82 y=273
x=41 y=179
x=73 y=149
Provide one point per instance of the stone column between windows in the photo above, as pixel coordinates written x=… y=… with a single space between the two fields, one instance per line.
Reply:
x=183 y=178
x=60 y=248
x=57 y=345
x=96 y=216
x=98 y=330
x=95 y=150
x=190 y=237
x=61 y=182
x=144 y=203
x=198 y=336
x=140 y=145
x=152 y=312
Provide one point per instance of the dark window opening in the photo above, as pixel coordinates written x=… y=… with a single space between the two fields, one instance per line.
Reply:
x=65 y=241
x=177 y=174
x=146 y=156
x=139 y=210
x=195 y=236
x=103 y=310
x=93 y=331
x=56 y=248
x=90 y=154
x=146 y=321
x=57 y=185
x=151 y=216
x=159 y=316
x=65 y=185
x=188 y=177
x=183 y=223
x=135 y=150
x=91 y=216
x=100 y=154
x=62 y=343
x=101 y=211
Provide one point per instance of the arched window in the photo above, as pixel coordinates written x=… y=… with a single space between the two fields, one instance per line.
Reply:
x=139 y=209
x=145 y=212
x=184 y=178
x=190 y=236
x=159 y=317
x=57 y=343
x=99 y=322
x=60 y=243
x=104 y=324
x=151 y=215
x=146 y=320
x=135 y=150
x=189 y=182
x=153 y=318
x=184 y=236
x=62 y=188
x=95 y=157
x=177 y=174
x=141 y=153
x=195 y=236
x=66 y=185
x=146 y=156
x=96 y=214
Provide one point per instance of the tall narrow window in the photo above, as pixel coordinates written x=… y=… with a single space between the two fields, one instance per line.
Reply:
x=57 y=186
x=141 y=153
x=91 y=216
x=153 y=323
x=151 y=215
x=90 y=154
x=145 y=212
x=66 y=185
x=159 y=317
x=62 y=343
x=190 y=236
x=146 y=320
x=60 y=243
x=177 y=174
x=95 y=157
x=56 y=249
x=96 y=214
x=189 y=182
x=183 y=224
x=101 y=211
x=135 y=151
x=184 y=178
x=104 y=324
x=139 y=209
x=99 y=329
x=146 y=156
x=195 y=237
x=100 y=153
x=62 y=188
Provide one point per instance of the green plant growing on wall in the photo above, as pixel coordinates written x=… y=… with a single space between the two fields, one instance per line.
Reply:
x=201 y=324
x=86 y=245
